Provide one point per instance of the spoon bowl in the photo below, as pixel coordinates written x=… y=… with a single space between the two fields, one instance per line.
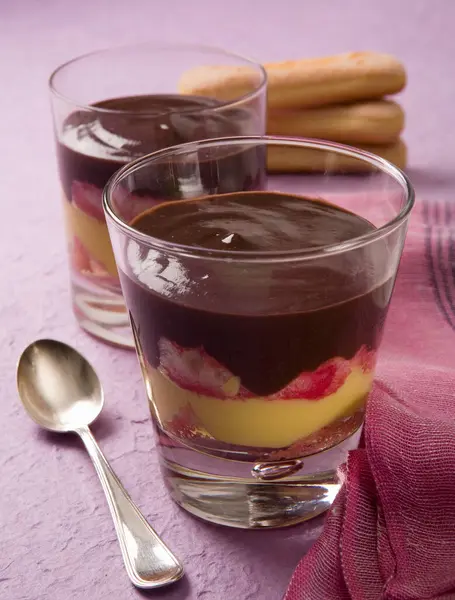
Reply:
x=59 y=388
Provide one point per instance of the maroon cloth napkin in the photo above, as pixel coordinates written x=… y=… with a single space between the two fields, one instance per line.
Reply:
x=390 y=534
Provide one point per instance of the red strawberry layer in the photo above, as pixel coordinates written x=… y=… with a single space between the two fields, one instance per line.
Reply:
x=88 y=198
x=365 y=359
x=326 y=380
x=83 y=263
x=196 y=371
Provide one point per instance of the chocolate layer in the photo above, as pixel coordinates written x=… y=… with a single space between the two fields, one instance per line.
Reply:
x=265 y=323
x=94 y=144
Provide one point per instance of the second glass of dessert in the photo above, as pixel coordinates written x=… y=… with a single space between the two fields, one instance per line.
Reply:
x=113 y=106
x=257 y=314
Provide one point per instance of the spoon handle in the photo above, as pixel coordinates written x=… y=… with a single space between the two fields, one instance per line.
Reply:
x=148 y=561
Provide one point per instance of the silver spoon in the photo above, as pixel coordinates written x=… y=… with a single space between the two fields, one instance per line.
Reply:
x=61 y=392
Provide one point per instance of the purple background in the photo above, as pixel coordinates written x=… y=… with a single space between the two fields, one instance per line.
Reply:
x=56 y=536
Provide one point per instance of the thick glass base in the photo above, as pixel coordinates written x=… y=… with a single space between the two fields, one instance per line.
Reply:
x=101 y=312
x=227 y=492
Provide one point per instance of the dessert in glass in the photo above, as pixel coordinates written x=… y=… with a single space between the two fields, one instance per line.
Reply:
x=257 y=314
x=113 y=106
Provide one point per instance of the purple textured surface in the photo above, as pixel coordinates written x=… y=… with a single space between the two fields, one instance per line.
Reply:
x=56 y=536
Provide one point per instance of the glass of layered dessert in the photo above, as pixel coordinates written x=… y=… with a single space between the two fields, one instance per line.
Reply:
x=257 y=311
x=112 y=106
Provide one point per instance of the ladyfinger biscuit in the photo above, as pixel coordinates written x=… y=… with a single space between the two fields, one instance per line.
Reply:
x=301 y=160
x=222 y=82
x=305 y=82
x=374 y=122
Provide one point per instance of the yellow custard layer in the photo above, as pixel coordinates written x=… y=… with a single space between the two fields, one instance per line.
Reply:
x=258 y=421
x=93 y=235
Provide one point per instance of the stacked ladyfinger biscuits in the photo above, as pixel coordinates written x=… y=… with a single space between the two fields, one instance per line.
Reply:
x=344 y=98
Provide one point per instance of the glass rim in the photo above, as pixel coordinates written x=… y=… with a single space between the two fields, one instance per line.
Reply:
x=158 y=46
x=298 y=254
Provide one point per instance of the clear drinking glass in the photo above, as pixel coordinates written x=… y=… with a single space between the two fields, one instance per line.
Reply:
x=257 y=360
x=115 y=105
